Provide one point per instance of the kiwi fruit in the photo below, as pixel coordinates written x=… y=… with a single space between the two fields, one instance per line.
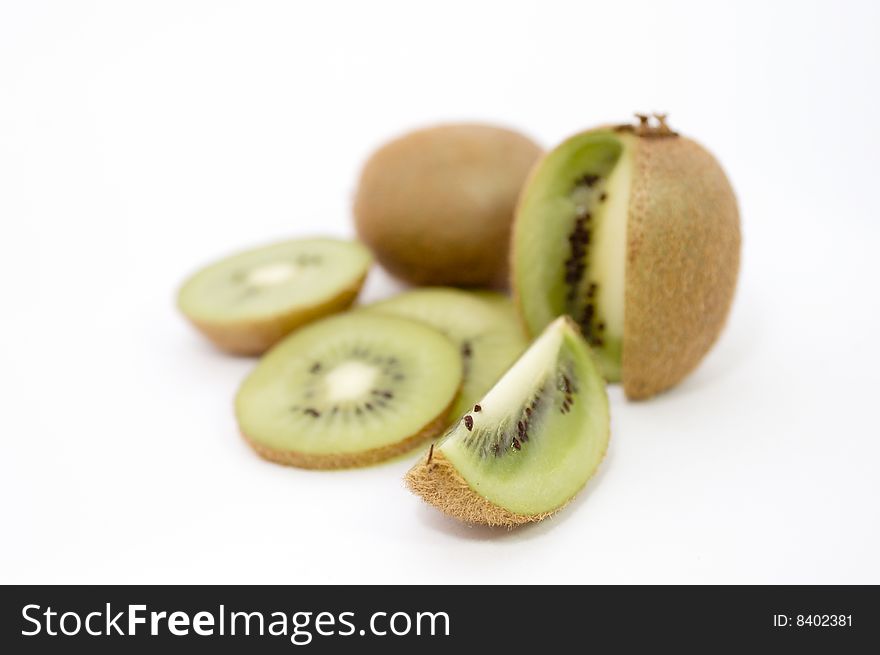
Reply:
x=248 y=302
x=530 y=444
x=349 y=390
x=436 y=205
x=633 y=230
x=483 y=325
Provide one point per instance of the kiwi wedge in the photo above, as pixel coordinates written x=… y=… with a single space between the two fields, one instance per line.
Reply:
x=483 y=325
x=633 y=231
x=349 y=390
x=530 y=444
x=248 y=302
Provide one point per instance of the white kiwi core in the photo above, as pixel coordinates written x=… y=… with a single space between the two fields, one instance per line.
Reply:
x=269 y=275
x=609 y=252
x=350 y=381
x=531 y=369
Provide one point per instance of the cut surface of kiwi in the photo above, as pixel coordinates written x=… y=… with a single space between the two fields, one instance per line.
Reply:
x=247 y=302
x=483 y=325
x=349 y=390
x=571 y=242
x=633 y=231
x=530 y=444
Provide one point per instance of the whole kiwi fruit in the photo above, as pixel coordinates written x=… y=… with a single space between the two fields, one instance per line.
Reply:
x=634 y=231
x=436 y=205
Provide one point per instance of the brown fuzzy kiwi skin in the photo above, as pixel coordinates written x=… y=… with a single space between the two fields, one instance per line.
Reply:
x=436 y=205
x=251 y=338
x=683 y=249
x=352 y=460
x=439 y=483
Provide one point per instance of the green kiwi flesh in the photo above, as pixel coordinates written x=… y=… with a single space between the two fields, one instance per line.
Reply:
x=569 y=241
x=530 y=444
x=349 y=390
x=483 y=325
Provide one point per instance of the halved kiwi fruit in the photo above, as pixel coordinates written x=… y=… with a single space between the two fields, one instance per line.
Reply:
x=349 y=390
x=484 y=325
x=248 y=302
x=530 y=444
x=633 y=231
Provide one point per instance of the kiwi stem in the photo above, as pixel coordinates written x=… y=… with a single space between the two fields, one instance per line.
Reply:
x=646 y=129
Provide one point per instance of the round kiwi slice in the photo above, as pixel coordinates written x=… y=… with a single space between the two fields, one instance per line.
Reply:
x=530 y=444
x=249 y=301
x=484 y=325
x=349 y=390
x=633 y=231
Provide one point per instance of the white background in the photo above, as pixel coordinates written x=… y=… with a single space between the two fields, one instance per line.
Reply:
x=141 y=140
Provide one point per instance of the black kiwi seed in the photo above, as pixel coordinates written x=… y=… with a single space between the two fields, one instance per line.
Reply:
x=466 y=350
x=311 y=411
x=477 y=408
x=575 y=264
x=368 y=407
x=588 y=317
x=315 y=367
x=499 y=439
